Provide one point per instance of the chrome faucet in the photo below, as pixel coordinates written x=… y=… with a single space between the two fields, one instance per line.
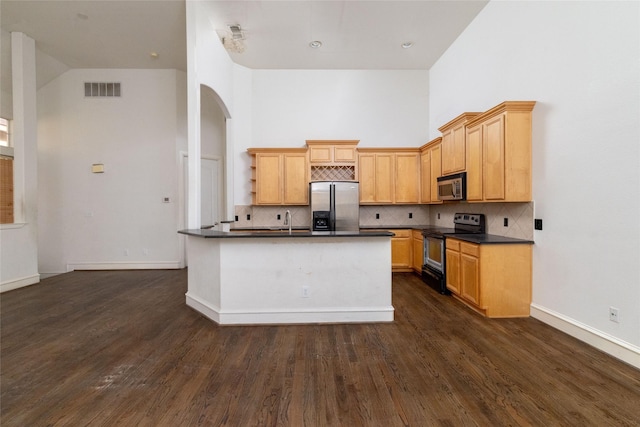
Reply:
x=287 y=219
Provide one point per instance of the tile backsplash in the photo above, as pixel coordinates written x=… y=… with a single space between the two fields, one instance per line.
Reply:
x=519 y=215
x=267 y=216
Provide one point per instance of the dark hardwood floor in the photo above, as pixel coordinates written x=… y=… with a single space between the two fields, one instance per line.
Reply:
x=121 y=348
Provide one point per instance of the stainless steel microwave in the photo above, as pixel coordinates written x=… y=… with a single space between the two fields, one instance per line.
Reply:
x=453 y=187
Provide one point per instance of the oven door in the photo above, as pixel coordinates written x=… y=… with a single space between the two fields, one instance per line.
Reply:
x=434 y=253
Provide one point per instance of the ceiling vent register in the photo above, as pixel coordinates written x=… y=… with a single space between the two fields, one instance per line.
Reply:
x=101 y=90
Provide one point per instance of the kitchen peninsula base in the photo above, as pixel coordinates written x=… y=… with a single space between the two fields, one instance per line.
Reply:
x=247 y=278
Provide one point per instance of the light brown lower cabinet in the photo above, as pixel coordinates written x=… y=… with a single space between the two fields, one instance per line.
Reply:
x=407 y=250
x=493 y=279
x=417 y=254
x=401 y=245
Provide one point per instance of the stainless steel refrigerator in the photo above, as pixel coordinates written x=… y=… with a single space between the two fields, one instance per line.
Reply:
x=335 y=205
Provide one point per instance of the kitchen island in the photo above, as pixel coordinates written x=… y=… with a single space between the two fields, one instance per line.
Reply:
x=281 y=277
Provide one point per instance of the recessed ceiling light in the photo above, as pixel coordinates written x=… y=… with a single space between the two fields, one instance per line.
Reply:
x=315 y=44
x=154 y=55
x=407 y=45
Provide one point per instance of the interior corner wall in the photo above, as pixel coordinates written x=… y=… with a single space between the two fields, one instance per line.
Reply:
x=116 y=219
x=580 y=62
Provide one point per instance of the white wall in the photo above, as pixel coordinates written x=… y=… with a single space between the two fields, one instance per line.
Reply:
x=18 y=242
x=116 y=219
x=379 y=108
x=6 y=97
x=580 y=62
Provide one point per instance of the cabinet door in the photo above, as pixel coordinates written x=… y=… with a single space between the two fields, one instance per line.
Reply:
x=453 y=150
x=425 y=177
x=493 y=154
x=407 y=182
x=453 y=271
x=436 y=171
x=474 y=163
x=401 y=249
x=418 y=251
x=296 y=184
x=344 y=154
x=470 y=278
x=367 y=177
x=384 y=175
x=320 y=154
x=458 y=149
x=447 y=152
x=269 y=178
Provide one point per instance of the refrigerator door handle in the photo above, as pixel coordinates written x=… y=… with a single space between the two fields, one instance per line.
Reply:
x=332 y=208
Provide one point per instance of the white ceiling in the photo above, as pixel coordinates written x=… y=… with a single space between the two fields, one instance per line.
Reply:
x=356 y=34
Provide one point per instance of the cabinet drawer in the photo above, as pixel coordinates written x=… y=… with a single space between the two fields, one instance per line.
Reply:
x=401 y=233
x=417 y=234
x=454 y=245
x=470 y=249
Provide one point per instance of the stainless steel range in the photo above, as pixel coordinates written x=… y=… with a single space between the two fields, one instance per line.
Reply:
x=434 y=268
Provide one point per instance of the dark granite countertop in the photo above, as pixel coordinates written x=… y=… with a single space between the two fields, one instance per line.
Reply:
x=274 y=228
x=365 y=231
x=394 y=227
x=480 y=239
x=269 y=233
x=488 y=239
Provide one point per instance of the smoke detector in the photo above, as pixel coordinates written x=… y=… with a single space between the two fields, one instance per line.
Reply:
x=234 y=38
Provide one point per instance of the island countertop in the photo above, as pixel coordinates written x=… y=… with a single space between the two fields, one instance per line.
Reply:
x=266 y=233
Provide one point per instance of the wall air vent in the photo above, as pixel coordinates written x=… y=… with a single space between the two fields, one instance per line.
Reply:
x=101 y=90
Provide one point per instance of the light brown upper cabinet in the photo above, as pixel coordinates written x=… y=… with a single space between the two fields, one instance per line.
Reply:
x=453 y=143
x=333 y=160
x=375 y=173
x=389 y=175
x=498 y=154
x=430 y=170
x=279 y=176
x=332 y=151
x=407 y=176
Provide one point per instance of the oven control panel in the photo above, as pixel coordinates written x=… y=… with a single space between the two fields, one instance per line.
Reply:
x=469 y=219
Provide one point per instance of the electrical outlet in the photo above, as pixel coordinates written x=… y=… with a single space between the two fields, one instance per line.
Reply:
x=248 y=217
x=537 y=224
x=305 y=292
x=377 y=216
x=410 y=215
x=278 y=217
x=506 y=222
x=236 y=218
x=438 y=216
x=614 y=314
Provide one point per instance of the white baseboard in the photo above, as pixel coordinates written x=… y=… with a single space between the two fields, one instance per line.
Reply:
x=19 y=283
x=241 y=317
x=158 y=265
x=613 y=346
x=47 y=275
